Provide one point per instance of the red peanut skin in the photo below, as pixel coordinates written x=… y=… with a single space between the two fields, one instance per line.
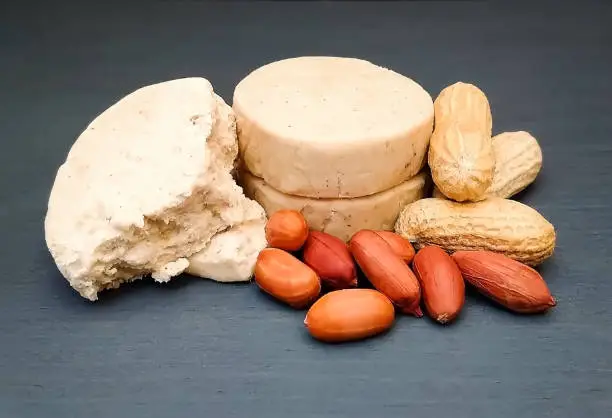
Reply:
x=330 y=258
x=287 y=230
x=349 y=314
x=387 y=272
x=508 y=282
x=283 y=276
x=400 y=245
x=441 y=283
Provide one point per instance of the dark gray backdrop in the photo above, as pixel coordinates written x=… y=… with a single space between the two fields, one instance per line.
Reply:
x=196 y=348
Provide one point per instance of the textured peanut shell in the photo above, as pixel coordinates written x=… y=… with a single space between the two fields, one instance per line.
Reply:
x=435 y=192
x=461 y=155
x=518 y=160
x=501 y=225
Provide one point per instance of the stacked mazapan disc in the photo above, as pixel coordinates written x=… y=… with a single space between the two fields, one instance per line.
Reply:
x=340 y=139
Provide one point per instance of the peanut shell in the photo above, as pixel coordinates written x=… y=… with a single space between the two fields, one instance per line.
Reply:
x=501 y=225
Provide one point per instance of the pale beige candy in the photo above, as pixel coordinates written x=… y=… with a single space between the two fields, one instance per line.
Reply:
x=331 y=127
x=146 y=186
x=341 y=217
x=231 y=255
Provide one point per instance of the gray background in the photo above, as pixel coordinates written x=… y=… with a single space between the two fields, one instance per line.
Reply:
x=196 y=348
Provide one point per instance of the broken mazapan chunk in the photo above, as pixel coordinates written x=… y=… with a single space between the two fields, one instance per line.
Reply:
x=147 y=186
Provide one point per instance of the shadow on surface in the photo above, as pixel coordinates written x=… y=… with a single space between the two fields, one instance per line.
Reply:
x=133 y=295
x=526 y=194
x=270 y=302
x=110 y=297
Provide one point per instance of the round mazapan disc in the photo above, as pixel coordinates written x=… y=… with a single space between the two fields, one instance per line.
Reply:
x=331 y=127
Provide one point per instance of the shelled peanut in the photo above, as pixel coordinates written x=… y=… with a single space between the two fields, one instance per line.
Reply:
x=287 y=230
x=402 y=247
x=513 y=285
x=286 y=278
x=330 y=258
x=349 y=314
x=387 y=271
x=441 y=282
x=403 y=280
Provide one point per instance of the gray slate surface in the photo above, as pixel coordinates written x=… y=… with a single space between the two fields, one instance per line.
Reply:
x=196 y=348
